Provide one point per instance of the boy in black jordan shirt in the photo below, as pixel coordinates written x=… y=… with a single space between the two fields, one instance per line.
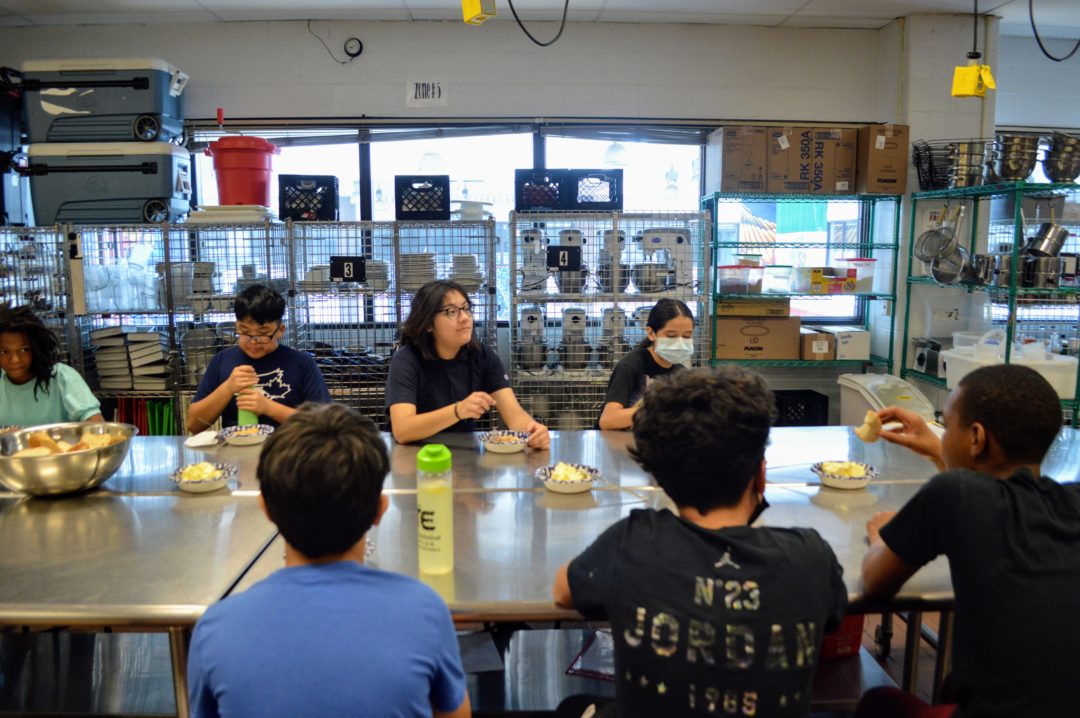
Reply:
x=710 y=615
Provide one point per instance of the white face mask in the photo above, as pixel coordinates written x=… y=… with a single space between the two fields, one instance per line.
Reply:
x=675 y=349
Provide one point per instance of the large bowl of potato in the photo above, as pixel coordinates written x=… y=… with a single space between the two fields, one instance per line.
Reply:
x=63 y=458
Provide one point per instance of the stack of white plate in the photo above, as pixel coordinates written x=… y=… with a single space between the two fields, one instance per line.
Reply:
x=199 y=347
x=416 y=270
x=231 y=214
x=466 y=272
x=378 y=275
x=317 y=279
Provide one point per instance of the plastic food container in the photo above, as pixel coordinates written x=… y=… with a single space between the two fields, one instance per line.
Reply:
x=734 y=279
x=864 y=272
x=777 y=279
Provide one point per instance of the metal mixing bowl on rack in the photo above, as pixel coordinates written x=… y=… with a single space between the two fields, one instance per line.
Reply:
x=530 y=355
x=572 y=282
x=651 y=277
x=614 y=278
x=67 y=472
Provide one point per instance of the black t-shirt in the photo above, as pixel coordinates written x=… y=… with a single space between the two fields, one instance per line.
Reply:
x=431 y=385
x=632 y=374
x=1014 y=551
x=710 y=622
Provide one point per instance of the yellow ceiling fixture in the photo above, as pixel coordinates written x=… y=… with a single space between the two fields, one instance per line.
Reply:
x=477 y=12
x=974 y=78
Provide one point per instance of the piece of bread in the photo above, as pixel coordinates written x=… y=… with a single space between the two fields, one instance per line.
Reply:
x=96 y=441
x=870 y=429
x=33 y=452
x=39 y=439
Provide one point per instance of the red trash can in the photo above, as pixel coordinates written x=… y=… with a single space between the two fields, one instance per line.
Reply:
x=243 y=166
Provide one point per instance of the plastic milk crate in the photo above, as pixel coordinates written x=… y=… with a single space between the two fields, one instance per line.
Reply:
x=109 y=182
x=121 y=99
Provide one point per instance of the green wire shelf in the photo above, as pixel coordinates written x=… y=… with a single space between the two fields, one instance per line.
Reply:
x=1048 y=292
x=923 y=377
x=802 y=245
x=772 y=197
x=834 y=363
x=801 y=295
x=997 y=189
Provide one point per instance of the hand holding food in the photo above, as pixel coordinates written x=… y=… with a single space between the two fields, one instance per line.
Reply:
x=203 y=471
x=870 y=429
x=253 y=400
x=538 y=436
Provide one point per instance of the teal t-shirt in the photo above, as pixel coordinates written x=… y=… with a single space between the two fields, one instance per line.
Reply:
x=68 y=399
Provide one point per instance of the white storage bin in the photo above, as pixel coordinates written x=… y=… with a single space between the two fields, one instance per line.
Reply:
x=1057 y=369
x=860 y=393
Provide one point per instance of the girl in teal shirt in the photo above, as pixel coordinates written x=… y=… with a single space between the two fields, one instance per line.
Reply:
x=35 y=387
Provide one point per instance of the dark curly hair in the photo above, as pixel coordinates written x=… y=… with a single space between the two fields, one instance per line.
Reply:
x=426 y=303
x=321 y=474
x=44 y=346
x=259 y=303
x=702 y=434
x=1015 y=404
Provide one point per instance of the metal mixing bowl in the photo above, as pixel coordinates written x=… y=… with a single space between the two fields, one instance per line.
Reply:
x=574 y=356
x=614 y=278
x=572 y=282
x=650 y=277
x=62 y=473
x=530 y=356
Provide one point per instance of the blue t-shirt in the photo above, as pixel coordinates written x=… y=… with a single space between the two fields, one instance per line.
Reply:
x=287 y=376
x=68 y=398
x=431 y=385
x=337 y=639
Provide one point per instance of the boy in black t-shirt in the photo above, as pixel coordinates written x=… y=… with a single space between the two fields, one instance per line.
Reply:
x=1011 y=536
x=710 y=615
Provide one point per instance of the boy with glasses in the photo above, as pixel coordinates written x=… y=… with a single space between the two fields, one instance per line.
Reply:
x=259 y=374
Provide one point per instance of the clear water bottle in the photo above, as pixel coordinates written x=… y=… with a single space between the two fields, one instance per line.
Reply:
x=435 y=509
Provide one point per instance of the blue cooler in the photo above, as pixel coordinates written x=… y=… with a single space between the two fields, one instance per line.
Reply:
x=118 y=99
x=109 y=182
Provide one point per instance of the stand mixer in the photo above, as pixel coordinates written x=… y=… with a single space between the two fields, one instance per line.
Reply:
x=571 y=282
x=530 y=348
x=614 y=275
x=668 y=262
x=534 y=272
x=612 y=344
x=574 y=351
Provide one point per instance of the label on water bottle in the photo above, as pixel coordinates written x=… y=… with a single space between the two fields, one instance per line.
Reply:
x=435 y=526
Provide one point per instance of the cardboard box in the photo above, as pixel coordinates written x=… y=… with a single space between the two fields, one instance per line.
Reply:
x=756 y=337
x=851 y=342
x=883 y=159
x=812 y=160
x=790 y=152
x=817 y=345
x=740 y=154
x=753 y=308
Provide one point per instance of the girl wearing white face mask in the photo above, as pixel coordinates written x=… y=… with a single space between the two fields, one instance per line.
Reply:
x=668 y=347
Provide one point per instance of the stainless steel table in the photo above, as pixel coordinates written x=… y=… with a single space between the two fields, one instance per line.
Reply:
x=152 y=563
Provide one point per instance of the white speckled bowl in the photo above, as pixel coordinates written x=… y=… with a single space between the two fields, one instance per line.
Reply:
x=568 y=487
x=203 y=486
x=835 y=481
x=503 y=447
x=240 y=436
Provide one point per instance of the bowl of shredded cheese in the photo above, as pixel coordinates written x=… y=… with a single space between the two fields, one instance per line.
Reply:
x=246 y=435
x=202 y=477
x=563 y=478
x=844 y=474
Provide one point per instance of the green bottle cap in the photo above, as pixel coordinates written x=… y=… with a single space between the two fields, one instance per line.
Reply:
x=434 y=459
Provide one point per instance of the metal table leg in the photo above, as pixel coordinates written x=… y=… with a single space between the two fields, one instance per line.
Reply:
x=911 y=651
x=943 y=661
x=179 y=639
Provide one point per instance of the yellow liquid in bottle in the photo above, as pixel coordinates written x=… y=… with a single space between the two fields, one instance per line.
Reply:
x=435 y=524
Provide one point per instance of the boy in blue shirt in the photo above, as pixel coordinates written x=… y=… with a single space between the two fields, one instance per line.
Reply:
x=265 y=377
x=326 y=635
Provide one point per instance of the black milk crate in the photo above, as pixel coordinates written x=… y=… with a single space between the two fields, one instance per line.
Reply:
x=801 y=407
x=540 y=189
x=597 y=190
x=422 y=197
x=308 y=198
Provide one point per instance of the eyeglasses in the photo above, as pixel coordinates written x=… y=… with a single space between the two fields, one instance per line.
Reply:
x=452 y=312
x=258 y=338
